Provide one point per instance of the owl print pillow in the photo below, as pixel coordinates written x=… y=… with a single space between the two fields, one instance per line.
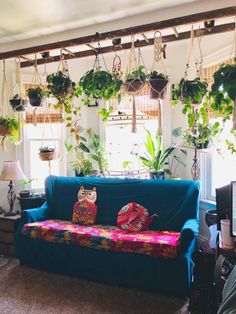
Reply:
x=85 y=210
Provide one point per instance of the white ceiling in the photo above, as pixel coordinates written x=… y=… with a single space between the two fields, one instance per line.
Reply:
x=21 y=19
x=27 y=23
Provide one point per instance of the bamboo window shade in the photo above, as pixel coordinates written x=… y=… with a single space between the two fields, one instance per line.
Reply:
x=207 y=74
x=41 y=114
x=143 y=103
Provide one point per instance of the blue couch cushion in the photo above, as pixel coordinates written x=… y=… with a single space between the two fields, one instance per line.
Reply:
x=174 y=201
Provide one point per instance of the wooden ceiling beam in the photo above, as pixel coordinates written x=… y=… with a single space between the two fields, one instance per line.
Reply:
x=170 y=23
x=141 y=43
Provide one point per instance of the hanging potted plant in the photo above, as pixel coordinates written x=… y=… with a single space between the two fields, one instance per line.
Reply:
x=61 y=87
x=35 y=96
x=18 y=103
x=47 y=153
x=135 y=80
x=223 y=92
x=98 y=85
x=158 y=85
x=9 y=128
x=189 y=91
x=156 y=158
x=201 y=132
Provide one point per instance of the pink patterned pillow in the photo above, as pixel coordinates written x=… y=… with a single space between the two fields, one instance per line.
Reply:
x=134 y=217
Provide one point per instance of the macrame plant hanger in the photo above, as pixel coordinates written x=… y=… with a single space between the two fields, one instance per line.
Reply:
x=4 y=101
x=52 y=155
x=36 y=81
x=19 y=85
x=158 y=65
x=133 y=65
x=195 y=169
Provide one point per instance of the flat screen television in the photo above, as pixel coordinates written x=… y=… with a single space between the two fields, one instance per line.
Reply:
x=233 y=208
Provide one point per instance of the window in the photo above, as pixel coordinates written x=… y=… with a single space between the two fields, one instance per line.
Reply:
x=52 y=135
x=218 y=167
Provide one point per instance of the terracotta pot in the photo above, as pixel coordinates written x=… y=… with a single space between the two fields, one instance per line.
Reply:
x=35 y=102
x=4 y=130
x=133 y=86
x=158 y=88
x=48 y=156
x=18 y=104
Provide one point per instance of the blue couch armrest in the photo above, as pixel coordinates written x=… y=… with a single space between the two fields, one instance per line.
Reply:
x=188 y=234
x=35 y=214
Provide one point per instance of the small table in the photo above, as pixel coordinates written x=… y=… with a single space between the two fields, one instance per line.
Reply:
x=8 y=227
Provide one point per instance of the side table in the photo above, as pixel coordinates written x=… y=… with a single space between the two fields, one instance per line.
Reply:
x=225 y=262
x=8 y=227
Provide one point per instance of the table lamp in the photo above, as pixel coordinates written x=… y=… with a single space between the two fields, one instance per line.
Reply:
x=11 y=171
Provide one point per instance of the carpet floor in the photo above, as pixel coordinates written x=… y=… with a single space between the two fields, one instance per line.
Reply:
x=24 y=290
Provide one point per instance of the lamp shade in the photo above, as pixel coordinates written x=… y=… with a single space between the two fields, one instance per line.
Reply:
x=12 y=171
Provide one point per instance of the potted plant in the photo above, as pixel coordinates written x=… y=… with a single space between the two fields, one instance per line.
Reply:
x=26 y=193
x=135 y=80
x=200 y=132
x=156 y=158
x=47 y=153
x=202 y=136
x=158 y=85
x=189 y=91
x=61 y=87
x=18 y=103
x=35 y=96
x=98 y=85
x=82 y=166
x=9 y=127
x=223 y=91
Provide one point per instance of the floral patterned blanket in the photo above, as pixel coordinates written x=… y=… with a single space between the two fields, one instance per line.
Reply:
x=164 y=244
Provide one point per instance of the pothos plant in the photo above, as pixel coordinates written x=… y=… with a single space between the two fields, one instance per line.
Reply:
x=61 y=87
x=99 y=85
x=189 y=91
x=223 y=95
x=10 y=126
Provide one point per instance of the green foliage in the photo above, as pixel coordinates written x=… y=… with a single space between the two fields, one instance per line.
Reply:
x=36 y=92
x=156 y=158
x=189 y=91
x=154 y=75
x=16 y=97
x=96 y=85
x=138 y=74
x=223 y=90
x=89 y=149
x=105 y=113
x=13 y=126
x=82 y=166
x=46 y=149
x=60 y=85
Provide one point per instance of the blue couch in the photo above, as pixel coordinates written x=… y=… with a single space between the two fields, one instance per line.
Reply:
x=176 y=203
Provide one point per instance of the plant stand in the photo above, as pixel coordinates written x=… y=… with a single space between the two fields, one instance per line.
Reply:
x=195 y=170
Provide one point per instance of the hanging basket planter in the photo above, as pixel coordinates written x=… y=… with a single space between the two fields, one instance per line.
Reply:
x=18 y=104
x=35 y=96
x=133 y=86
x=46 y=154
x=158 y=88
x=4 y=130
